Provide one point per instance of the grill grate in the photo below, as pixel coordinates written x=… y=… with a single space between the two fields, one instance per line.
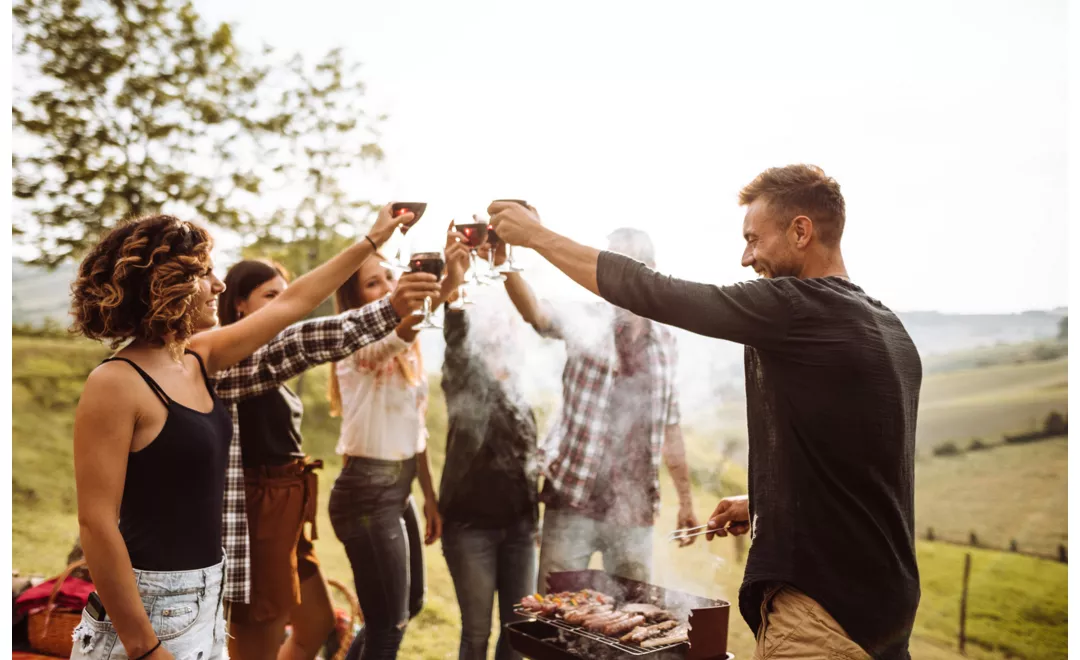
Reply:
x=596 y=637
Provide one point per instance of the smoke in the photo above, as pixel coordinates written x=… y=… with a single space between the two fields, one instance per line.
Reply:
x=528 y=370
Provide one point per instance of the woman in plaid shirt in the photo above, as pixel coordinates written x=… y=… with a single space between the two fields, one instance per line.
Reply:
x=280 y=484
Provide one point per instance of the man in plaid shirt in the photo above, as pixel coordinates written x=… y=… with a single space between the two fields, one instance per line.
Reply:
x=295 y=350
x=619 y=417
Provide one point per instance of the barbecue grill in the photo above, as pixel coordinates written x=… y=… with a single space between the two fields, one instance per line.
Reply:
x=549 y=638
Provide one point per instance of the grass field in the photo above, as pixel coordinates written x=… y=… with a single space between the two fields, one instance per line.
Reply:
x=1017 y=607
x=1001 y=493
x=959 y=405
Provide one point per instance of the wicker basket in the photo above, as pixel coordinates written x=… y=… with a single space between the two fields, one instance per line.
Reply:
x=51 y=630
x=346 y=638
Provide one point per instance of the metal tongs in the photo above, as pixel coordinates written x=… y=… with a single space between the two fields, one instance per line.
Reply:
x=701 y=530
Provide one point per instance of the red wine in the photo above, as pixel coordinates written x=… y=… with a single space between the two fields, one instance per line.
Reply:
x=493 y=238
x=475 y=233
x=401 y=208
x=427 y=262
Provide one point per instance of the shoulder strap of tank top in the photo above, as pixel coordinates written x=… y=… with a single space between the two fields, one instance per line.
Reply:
x=145 y=376
x=202 y=366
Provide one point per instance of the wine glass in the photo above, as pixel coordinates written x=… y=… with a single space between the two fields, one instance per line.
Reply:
x=475 y=234
x=427 y=262
x=495 y=274
x=396 y=264
x=508 y=265
x=399 y=209
x=462 y=300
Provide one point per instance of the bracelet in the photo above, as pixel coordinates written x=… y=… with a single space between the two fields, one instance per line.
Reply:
x=150 y=652
x=373 y=246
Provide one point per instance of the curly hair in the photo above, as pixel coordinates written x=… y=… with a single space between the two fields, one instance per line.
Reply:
x=140 y=281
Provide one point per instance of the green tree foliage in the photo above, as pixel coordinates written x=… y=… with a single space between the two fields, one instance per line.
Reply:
x=135 y=106
x=326 y=133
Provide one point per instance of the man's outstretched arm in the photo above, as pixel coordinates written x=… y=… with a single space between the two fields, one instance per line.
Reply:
x=520 y=226
x=756 y=313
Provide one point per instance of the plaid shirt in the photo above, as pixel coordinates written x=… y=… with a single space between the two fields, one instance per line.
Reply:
x=581 y=432
x=296 y=349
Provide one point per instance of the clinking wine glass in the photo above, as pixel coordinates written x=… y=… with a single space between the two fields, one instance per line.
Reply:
x=462 y=300
x=427 y=262
x=494 y=273
x=508 y=265
x=396 y=264
x=396 y=210
x=475 y=234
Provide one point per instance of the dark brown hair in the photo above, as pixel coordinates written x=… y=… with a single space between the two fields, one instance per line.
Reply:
x=801 y=190
x=243 y=278
x=140 y=281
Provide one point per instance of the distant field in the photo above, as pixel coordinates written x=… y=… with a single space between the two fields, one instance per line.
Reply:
x=1002 y=493
x=964 y=404
x=1026 y=595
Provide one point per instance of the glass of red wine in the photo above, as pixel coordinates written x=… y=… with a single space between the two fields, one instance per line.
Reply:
x=427 y=262
x=509 y=266
x=475 y=234
x=398 y=209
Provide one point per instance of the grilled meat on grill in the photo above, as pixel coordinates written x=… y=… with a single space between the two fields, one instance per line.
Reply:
x=677 y=635
x=577 y=616
x=623 y=625
x=642 y=633
x=648 y=610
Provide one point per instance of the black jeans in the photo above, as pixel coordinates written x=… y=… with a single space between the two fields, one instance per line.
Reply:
x=374 y=517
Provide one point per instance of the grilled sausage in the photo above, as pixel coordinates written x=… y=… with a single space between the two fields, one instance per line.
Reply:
x=620 y=627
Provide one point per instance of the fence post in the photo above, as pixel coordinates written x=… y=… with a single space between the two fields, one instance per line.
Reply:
x=963 y=602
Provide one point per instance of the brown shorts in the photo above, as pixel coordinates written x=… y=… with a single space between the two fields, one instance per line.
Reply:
x=280 y=501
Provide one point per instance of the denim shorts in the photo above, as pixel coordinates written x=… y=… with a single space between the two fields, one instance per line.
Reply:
x=185 y=609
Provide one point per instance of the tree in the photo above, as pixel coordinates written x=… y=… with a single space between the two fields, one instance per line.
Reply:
x=140 y=108
x=325 y=133
x=1063 y=329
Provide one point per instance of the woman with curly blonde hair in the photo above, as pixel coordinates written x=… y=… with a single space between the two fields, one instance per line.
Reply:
x=152 y=438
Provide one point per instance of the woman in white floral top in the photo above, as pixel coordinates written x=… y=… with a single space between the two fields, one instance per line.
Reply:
x=380 y=392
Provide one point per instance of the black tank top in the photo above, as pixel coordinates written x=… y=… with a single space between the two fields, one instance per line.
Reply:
x=171 y=511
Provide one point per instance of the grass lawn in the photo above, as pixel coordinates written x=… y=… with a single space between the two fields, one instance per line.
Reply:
x=1017 y=605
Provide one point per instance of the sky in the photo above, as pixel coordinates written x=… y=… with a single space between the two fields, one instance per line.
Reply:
x=944 y=122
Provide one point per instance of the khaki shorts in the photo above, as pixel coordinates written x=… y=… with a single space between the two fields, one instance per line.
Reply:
x=795 y=626
x=280 y=501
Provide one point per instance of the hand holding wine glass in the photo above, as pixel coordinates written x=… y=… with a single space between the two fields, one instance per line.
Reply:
x=494 y=251
x=456 y=253
x=522 y=223
x=386 y=222
x=411 y=291
x=428 y=260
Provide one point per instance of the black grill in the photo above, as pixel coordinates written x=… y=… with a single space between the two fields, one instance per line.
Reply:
x=549 y=638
